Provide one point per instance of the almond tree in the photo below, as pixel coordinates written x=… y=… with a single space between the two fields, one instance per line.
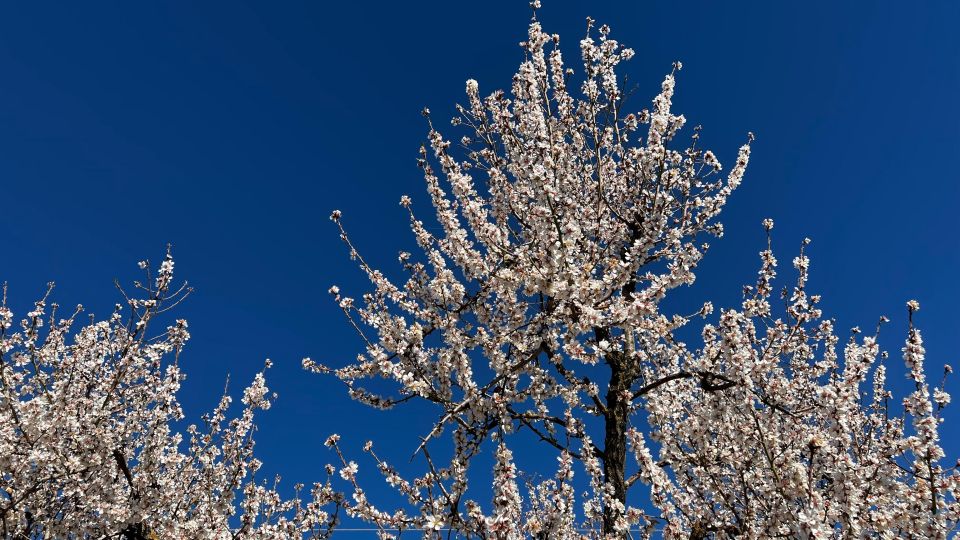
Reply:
x=797 y=446
x=566 y=220
x=88 y=447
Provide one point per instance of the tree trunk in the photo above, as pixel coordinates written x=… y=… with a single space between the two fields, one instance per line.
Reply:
x=615 y=438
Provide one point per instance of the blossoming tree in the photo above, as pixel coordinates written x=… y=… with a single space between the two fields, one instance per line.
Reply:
x=537 y=312
x=566 y=221
x=88 y=445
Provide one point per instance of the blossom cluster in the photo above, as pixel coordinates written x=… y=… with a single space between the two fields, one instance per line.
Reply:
x=88 y=443
x=805 y=442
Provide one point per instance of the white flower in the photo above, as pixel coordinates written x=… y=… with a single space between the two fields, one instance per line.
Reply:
x=433 y=523
x=349 y=472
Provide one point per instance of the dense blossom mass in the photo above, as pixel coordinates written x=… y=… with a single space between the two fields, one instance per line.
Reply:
x=534 y=311
x=565 y=222
x=88 y=447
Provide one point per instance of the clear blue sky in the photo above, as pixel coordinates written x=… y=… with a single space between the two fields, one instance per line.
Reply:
x=231 y=129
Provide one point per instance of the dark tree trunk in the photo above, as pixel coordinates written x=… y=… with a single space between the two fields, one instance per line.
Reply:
x=135 y=531
x=615 y=436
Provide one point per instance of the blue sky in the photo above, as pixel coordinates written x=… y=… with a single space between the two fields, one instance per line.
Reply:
x=231 y=129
